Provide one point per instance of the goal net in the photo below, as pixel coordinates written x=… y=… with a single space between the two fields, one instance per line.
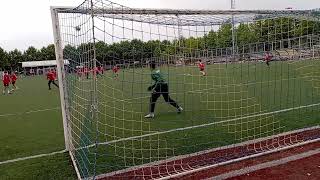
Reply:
x=258 y=90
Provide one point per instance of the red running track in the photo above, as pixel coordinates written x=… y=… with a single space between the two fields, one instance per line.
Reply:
x=303 y=169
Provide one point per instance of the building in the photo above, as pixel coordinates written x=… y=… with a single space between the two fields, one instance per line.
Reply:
x=39 y=67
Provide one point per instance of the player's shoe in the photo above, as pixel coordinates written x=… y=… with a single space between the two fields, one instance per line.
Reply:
x=180 y=109
x=149 y=116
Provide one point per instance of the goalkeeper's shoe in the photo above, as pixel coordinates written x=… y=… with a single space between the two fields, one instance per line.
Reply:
x=151 y=115
x=180 y=109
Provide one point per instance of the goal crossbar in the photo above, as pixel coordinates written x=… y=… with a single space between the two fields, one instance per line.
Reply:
x=137 y=11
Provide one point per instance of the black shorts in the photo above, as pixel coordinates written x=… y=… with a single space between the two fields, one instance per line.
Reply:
x=161 y=88
x=13 y=83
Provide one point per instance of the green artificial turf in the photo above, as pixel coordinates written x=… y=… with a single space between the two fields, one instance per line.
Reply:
x=230 y=101
x=31 y=124
x=224 y=101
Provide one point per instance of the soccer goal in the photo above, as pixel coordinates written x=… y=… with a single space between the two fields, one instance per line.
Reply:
x=240 y=105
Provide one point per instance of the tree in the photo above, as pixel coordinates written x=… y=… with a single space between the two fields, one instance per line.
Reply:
x=191 y=46
x=47 y=53
x=4 y=63
x=211 y=40
x=32 y=54
x=245 y=35
x=224 y=36
x=150 y=47
x=14 y=58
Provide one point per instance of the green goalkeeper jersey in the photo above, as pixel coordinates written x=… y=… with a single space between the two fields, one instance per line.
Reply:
x=158 y=77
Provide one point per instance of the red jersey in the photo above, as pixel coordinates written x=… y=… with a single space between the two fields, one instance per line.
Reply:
x=50 y=76
x=79 y=71
x=268 y=57
x=14 y=77
x=5 y=78
x=55 y=74
x=201 y=66
x=96 y=70
x=115 y=69
x=100 y=69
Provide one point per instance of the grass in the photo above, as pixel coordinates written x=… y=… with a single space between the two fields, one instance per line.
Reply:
x=232 y=91
x=25 y=132
x=56 y=167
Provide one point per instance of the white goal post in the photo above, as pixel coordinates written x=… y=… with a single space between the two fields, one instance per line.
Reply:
x=61 y=73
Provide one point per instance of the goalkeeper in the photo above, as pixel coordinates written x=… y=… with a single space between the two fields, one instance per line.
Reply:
x=160 y=87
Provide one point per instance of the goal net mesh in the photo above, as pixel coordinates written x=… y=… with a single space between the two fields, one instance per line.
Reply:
x=240 y=98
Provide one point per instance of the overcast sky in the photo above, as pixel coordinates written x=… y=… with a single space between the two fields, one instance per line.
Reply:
x=27 y=23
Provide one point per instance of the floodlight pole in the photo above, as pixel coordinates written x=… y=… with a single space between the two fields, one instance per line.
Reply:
x=61 y=75
x=233 y=6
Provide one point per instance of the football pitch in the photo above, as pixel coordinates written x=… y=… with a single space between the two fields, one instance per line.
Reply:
x=31 y=124
x=231 y=102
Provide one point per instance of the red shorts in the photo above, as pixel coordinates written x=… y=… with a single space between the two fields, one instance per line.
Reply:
x=6 y=84
x=202 y=69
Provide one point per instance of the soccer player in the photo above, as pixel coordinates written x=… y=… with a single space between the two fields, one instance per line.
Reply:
x=96 y=71
x=80 y=73
x=160 y=87
x=6 y=82
x=268 y=58
x=54 y=74
x=51 y=77
x=86 y=72
x=101 y=69
x=14 y=79
x=202 y=66
x=115 y=70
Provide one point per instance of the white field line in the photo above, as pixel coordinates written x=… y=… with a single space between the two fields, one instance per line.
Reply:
x=266 y=165
x=206 y=125
x=32 y=157
x=30 y=112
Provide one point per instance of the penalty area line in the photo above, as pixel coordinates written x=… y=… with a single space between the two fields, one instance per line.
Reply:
x=32 y=157
x=30 y=112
